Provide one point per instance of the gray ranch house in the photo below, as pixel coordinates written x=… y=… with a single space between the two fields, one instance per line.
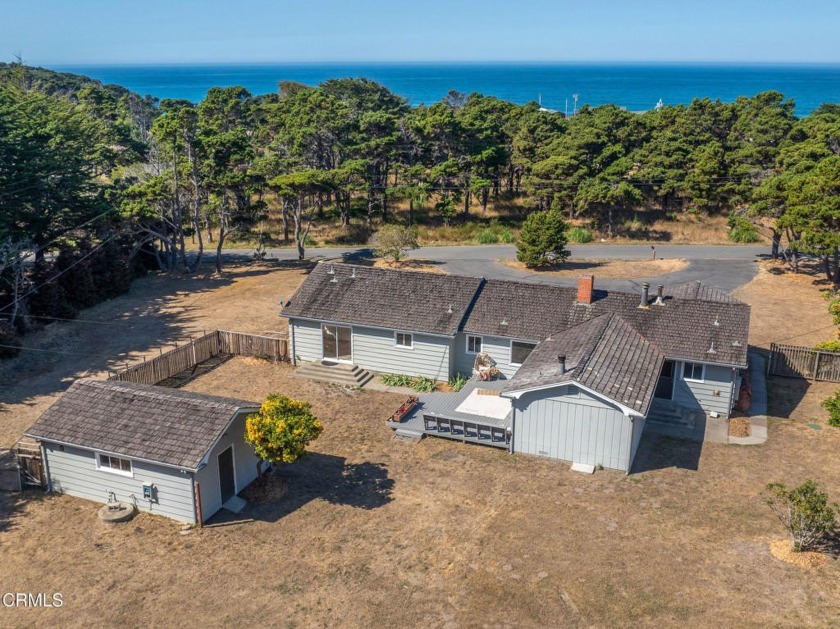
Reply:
x=581 y=370
x=174 y=453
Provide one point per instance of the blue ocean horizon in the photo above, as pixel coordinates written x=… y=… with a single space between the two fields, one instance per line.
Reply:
x=635 y=86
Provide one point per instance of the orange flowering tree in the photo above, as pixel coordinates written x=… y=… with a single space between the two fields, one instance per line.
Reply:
x=281 y=430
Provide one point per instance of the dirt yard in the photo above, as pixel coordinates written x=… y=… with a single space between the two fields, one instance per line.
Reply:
x=788 y=308
x=608 y=269
x=158 y=312
x=372 y=531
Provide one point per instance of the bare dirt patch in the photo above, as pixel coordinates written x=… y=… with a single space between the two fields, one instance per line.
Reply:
x=607 y=269
x=158 y=312
x=788 y=308
x=782 y=551
x=412 y=264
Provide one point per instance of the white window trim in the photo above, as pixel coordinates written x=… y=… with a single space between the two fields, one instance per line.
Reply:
x=111 y=470
x=702 y=372
x=467 y=344
x=510 y=350
x=408 y=334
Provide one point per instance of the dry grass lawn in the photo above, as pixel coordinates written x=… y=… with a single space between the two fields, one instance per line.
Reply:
x=607 y=269
x=372 y=531
x=411 y=264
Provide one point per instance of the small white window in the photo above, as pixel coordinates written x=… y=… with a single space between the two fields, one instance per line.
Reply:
x=113 y=464
x=519 y=351
x=473 y=345
x=694 y=372
x=404 y=339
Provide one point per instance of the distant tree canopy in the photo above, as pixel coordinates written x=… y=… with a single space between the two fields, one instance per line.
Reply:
x=85 y=163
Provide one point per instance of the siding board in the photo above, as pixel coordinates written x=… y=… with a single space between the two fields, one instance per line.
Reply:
x=374 y=349
x=574 y=429
x=73 y=471
x=713 y=394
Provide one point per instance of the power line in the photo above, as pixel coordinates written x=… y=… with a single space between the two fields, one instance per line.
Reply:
x=93 y=321
x=59 y=274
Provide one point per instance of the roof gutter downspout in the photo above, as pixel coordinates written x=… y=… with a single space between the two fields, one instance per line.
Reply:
x=292 y=352
x=512 y=428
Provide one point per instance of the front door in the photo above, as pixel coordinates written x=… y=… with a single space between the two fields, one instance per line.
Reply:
x=227 y=484
x=337 y=343
x=665 y=385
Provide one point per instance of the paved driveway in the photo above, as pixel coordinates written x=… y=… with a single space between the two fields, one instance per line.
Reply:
x=726 y=267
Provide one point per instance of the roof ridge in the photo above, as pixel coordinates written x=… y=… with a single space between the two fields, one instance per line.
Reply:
x=153 y=390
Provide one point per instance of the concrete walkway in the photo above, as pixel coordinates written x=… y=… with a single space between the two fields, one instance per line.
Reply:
x=758 y=403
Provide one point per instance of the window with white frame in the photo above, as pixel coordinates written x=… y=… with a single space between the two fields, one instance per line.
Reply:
x=694 y=372
x=519 y=351
x=473 y=344
x=113 y=464
x=404 y=339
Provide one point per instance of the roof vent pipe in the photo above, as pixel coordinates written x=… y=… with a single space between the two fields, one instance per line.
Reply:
x=645 y=295
x=561 y=359
x=660 y=298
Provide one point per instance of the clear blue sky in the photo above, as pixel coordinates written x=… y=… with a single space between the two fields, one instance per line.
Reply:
x=53 y=32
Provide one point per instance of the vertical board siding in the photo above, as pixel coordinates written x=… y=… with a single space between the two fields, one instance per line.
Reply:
x=73 y=472
x=548 y=424
x=374 y=349
x=638 y=429
x=244 y=465
x=307 y=336
x=714 y=394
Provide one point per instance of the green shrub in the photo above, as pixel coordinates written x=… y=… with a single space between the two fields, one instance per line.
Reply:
x=309 y=241
x=393 y=242
x=804 y=511
x=486 y=237
x=505 y=235
x=832 y=405
x=424 y=385
x=458 y=381
x=742 y=231
x=542 y=240
x=397 y=380
x=580 y=235
x=829 y=346
x=834 y=310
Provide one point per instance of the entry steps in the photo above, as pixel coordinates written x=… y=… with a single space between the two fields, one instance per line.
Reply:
x=337 y=373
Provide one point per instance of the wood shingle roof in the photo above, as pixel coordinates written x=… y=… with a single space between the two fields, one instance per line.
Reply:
x=168 y=426
x=384 y=298
x=605 y=354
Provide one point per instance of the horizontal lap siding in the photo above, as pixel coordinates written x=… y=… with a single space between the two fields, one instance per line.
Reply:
x=565 y=429
x=74 y=472
x=375 y=350
x=496 y=346
x=244 y=463
x=307 y=339
x=713 y=394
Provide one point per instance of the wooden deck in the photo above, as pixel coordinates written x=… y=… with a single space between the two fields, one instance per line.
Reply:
x=436 y=415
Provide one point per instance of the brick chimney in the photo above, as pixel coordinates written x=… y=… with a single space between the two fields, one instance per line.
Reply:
x=586 y=287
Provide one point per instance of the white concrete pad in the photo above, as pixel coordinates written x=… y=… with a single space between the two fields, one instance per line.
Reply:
x=583 y=468
x=492 y=406
x=235 y=505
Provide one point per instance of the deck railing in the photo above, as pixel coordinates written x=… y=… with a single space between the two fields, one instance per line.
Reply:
x=795 y=361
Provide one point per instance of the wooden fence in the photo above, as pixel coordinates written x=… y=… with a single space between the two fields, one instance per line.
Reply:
x=794 y=361
x=211 y=345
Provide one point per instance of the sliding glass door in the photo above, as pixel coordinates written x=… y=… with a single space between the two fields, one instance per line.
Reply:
x=336 y=343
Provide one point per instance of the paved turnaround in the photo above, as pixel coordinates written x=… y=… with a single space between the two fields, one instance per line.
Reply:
x=723 y=266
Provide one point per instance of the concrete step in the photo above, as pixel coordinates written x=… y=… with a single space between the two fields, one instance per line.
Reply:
x=345 y=375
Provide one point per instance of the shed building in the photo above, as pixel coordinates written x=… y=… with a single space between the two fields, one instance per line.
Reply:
x=174 y=453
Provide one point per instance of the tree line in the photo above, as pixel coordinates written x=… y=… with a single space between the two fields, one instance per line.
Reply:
x=91 y=171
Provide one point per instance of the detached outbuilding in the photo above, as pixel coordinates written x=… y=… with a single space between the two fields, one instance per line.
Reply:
x=174 y=453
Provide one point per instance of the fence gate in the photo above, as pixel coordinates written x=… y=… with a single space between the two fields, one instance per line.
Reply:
x=795 y=361
x=30 y=463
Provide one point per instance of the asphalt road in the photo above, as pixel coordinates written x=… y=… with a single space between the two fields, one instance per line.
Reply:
x=726 y=267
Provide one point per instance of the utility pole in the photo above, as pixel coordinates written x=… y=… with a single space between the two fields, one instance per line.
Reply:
x=574 y=110
x=567 y=107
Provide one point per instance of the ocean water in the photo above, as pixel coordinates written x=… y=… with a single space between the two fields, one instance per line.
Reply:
x=638 y=87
